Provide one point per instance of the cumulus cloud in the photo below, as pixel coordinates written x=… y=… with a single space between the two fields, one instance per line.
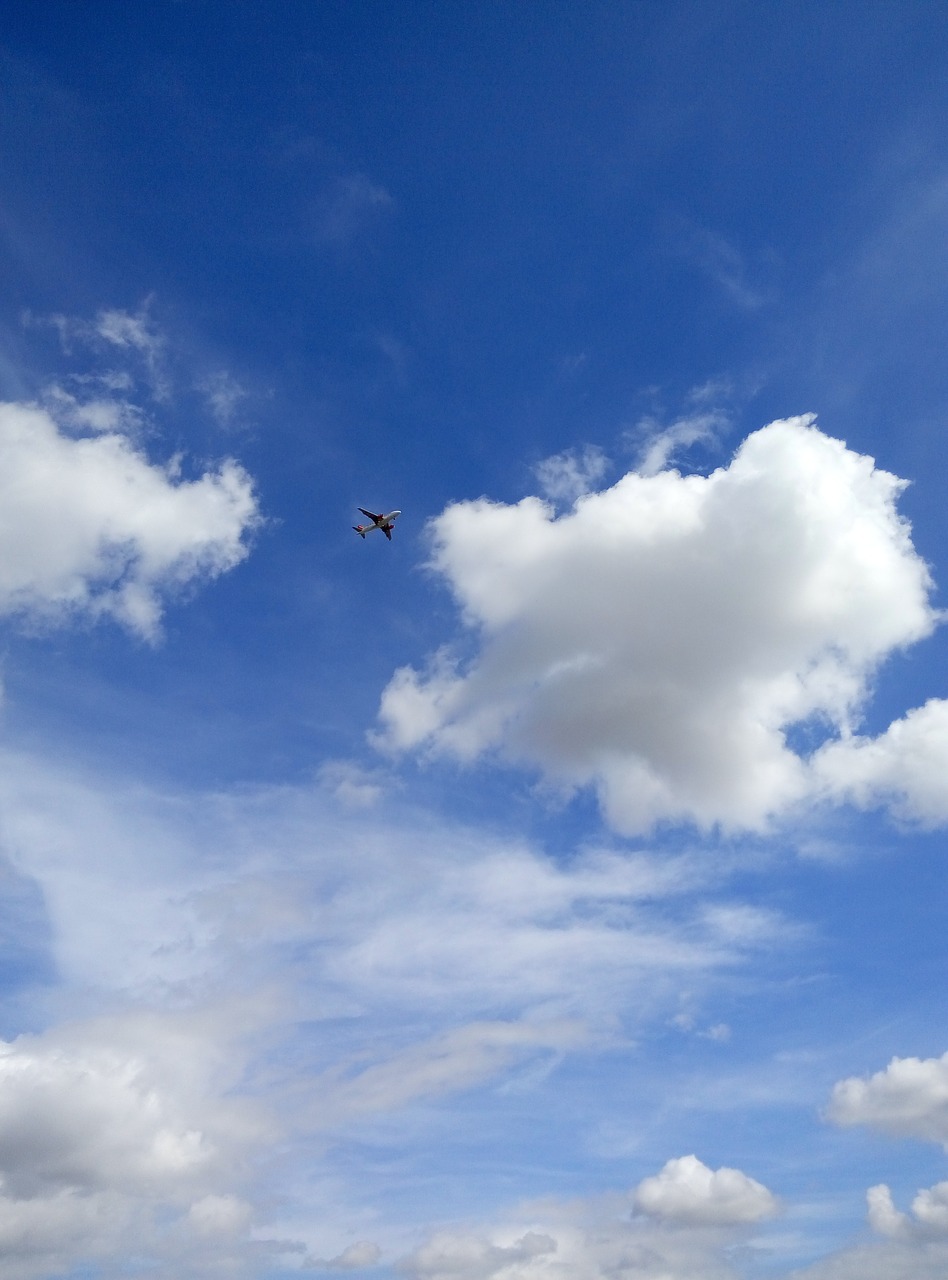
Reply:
x=686 y=1190
x=915 y=1248
x=930 y=1208
x=659 y=641
x=90 y=528
x=593 y=1237
x=904 y=768
x=882 y=1214
x=115 y=1135
x=929 y=1212
x=122 y=1104
x=908 y=1099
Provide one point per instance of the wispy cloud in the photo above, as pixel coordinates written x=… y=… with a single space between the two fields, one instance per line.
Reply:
x=114 y=330
x=663 y=443
x=724 y=264
x=134 y=368
x=223 y=394
x=263 y=972
x=348 y=207
x=566 y=476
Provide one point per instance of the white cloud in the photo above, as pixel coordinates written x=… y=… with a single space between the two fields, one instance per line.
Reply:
x=342 y=967
x=123 y=329
x=364 y=1253
x=471 y=1258
x=458 y=1059
x=117 y=1137
x=566 y=476
x=393 y=910
x=658 y=641
x=905 y=767
x=98 y=413
x=135 y=332
x=90 y=528
x=930 y=1208
x=882 y=1214
x=688 y=1191
x=223 y=394
x=217 y=1216
x=662 y=443
x=133 y=1103
x=591 y=1239
x=890 y=1260
x=929 y=1213
x=909 y=1099
x=352 y=785
x=116 y=330
x=915 y=1247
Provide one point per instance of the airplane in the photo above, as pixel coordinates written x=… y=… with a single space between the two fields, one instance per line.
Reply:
x=384 y=523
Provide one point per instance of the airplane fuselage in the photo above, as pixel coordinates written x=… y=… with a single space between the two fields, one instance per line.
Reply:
x=384 y=522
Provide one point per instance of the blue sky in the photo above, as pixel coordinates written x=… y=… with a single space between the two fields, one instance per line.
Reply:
x=558 y=890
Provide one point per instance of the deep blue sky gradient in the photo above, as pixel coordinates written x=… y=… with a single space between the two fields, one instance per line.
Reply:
x=436 y=244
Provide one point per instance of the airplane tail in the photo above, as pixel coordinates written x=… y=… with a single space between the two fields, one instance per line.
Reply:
x=360 y=531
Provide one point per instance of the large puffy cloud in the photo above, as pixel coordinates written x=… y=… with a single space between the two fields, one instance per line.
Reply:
x=122 y=1104
x=686 y=1190
x=909 y=1099
x=659 y=640
x=117 y=1137
x=88 y=526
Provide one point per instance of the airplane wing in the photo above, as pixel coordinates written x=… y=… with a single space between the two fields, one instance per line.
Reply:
x=387 y=531
x=370 y=514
